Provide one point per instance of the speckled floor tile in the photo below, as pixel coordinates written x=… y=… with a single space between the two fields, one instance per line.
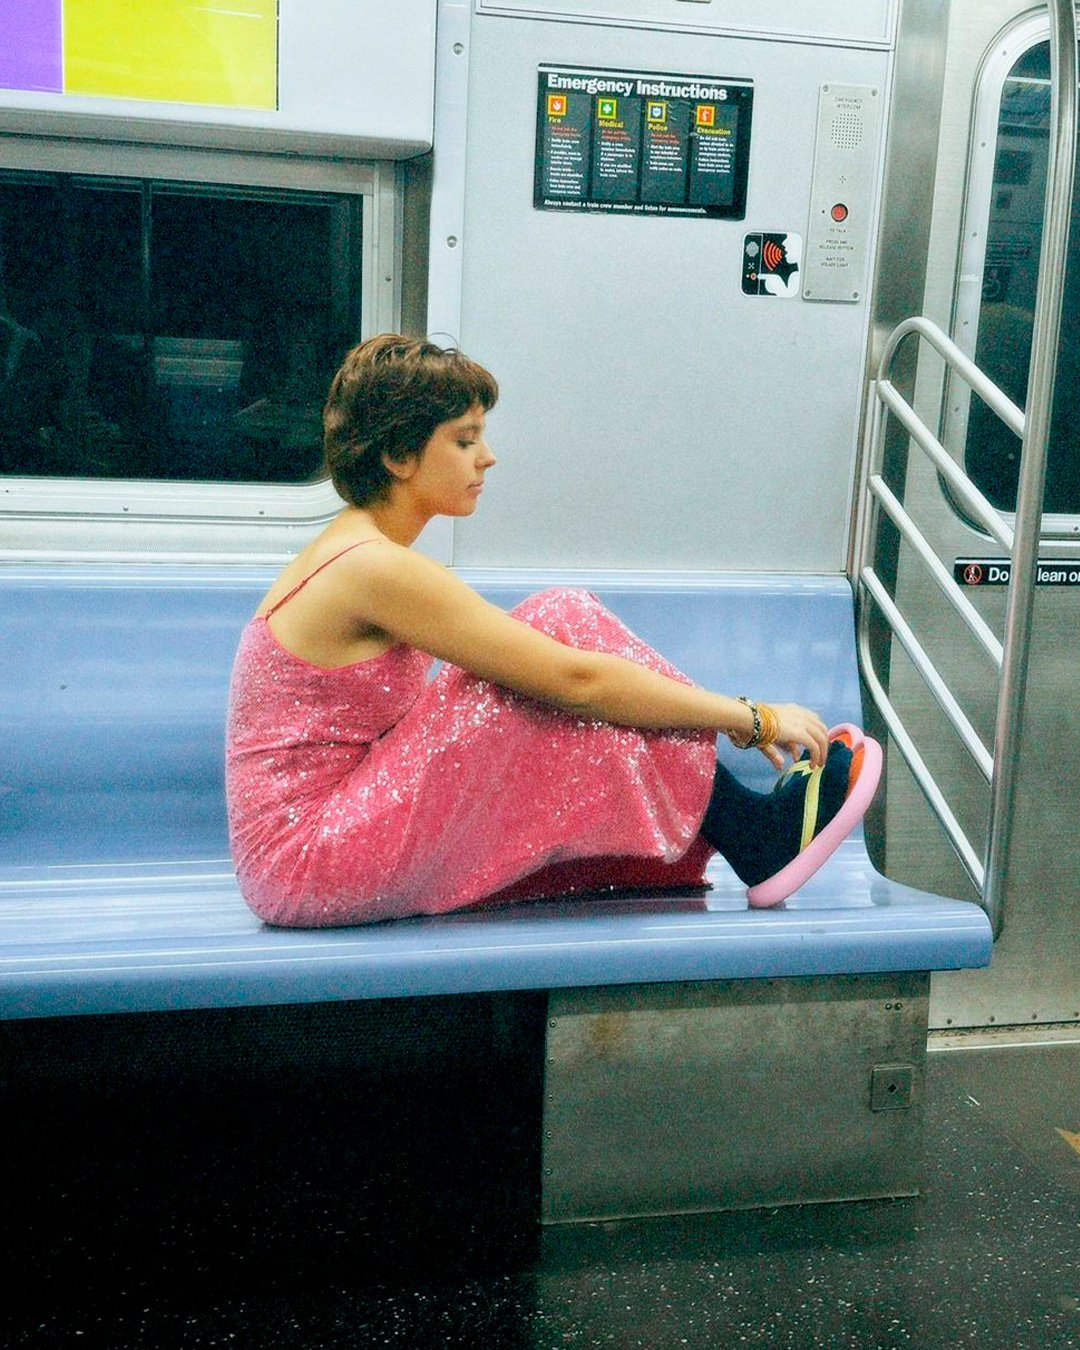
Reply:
x=291 y=1210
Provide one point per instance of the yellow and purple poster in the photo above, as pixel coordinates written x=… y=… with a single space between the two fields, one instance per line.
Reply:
x=170 y=51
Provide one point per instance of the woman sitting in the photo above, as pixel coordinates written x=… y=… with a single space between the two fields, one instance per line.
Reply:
x=553 y=752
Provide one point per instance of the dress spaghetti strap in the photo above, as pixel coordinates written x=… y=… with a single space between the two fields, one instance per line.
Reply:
x=300 y=585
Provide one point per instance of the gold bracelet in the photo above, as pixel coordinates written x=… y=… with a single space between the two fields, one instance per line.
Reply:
x=770 y=724
x=765 y=729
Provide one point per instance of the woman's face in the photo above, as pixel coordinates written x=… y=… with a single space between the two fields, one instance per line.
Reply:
x=447 y=476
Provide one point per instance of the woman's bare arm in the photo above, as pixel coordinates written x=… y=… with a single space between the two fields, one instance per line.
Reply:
x=423 y=604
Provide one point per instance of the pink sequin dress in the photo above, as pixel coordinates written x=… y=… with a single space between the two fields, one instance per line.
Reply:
x=368 y=792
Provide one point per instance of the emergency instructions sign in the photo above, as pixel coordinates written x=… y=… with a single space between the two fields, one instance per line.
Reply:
x=636 y=143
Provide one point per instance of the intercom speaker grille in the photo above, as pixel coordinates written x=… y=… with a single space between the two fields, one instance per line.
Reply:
x=847 y=131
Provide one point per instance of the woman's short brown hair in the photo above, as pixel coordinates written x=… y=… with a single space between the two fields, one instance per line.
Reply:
x=386 y=401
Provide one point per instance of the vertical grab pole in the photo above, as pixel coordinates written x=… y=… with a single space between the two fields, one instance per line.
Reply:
x=1029 y=502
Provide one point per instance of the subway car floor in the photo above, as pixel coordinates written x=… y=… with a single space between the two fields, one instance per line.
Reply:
x=159 y=1195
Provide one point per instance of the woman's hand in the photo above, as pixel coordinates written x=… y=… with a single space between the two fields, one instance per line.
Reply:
x=799 y=727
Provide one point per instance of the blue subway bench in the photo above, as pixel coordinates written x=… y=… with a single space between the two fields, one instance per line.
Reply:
x=740 y=1057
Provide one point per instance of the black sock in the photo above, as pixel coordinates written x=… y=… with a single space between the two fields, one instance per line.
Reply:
x=760 y=832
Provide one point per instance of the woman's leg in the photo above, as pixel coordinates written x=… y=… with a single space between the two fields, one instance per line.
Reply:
x=761 y=832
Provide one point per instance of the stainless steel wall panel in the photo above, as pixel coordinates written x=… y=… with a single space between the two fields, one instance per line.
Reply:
x=652 y=414
x=824 y=20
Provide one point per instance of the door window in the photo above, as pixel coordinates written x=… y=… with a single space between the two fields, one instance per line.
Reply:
x=1006 y=304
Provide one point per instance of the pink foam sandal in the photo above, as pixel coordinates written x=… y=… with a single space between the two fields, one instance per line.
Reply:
x=862 y=784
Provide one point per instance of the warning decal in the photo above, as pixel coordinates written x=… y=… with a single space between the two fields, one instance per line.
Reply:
x=771 y=264
x=997 y=571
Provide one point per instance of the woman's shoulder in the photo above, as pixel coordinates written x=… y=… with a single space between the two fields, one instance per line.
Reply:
x=339 y=554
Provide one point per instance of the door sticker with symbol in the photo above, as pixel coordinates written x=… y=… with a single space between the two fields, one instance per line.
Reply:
x=771 y=264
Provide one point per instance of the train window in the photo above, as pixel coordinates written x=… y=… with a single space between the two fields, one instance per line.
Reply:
x=1002 y=242
x=169 y=330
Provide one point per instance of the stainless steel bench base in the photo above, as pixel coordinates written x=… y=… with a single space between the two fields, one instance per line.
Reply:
x=731 y=1094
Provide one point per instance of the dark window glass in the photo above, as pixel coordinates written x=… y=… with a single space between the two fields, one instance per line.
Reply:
x=1003 y=350
x=168 y=331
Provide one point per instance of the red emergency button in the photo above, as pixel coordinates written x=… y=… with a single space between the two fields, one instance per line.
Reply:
x=839 y=212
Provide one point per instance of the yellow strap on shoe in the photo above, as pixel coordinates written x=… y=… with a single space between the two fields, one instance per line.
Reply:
x=810 y=801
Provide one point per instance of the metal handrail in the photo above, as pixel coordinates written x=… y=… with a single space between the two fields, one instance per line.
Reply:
x=977 y=505
x=1021 y=541
x=976 y=623
x=878 y=497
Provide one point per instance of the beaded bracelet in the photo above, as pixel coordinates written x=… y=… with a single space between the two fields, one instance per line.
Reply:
x=766 y=727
